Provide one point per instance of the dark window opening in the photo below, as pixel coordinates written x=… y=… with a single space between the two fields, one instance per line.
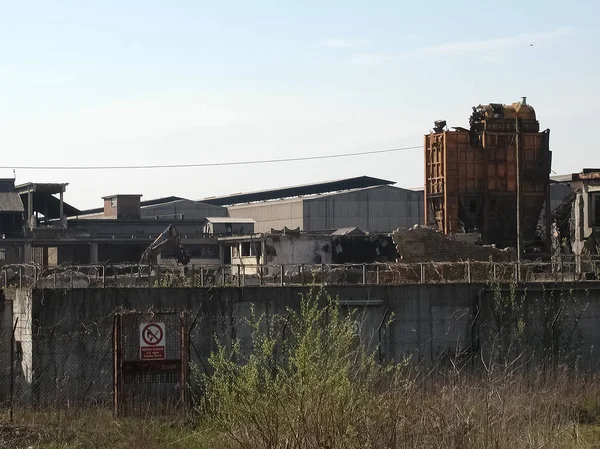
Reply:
x=245 y=249
x=472 y=206
x=596 y=210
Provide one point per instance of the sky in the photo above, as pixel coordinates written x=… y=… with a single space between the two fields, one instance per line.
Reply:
x=117 y=83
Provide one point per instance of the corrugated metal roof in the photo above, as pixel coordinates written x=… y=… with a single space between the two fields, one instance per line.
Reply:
x=10 y=202
x=306 y=189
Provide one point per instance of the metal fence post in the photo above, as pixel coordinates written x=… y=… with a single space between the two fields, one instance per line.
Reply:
x=201 y=276
x=302 y=269
x=261 y=274
x=364 y=274
x=239 y=280
x=282 y=275
x=422 y=272
x=5 y=278
x=20 y=276
x=468 y=271
x=494 y=265
x=223 y=275
x=377 y=274
x=103 y=276
x=516 y=271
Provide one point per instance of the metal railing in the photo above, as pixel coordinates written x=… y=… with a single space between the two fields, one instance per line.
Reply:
x=136 y=275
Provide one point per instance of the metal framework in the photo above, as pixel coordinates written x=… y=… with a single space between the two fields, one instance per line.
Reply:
x=144 y=384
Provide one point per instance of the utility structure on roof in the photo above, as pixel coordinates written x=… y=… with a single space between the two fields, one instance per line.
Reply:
x=477 y=178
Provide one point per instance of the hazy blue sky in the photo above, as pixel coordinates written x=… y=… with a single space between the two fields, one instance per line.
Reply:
x=151 y=82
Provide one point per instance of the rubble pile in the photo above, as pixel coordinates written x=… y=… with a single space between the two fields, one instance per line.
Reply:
x=425 y=244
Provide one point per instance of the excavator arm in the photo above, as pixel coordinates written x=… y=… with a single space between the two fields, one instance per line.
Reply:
x=168 y=238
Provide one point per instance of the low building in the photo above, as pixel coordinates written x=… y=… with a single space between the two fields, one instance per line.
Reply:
x=288 y=247
x=219 y=226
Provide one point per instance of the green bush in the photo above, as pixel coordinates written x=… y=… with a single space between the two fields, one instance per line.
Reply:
x=307 y=382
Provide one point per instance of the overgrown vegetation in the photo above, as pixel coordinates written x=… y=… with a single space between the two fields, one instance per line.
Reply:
x=305 y=380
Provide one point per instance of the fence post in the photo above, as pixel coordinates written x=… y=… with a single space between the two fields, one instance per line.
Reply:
x=201 y=276
x=322 y=274
x=494 y=265
x=239 y=280
x=377 y=274
x=302 y=269
x=261 y=274
x=364 y=274
x=54 y=277
x=5 y=278
x=103 y=276
x=223 y=275
x=282 y=274
x=516 y=271
x=422 y=272
x=468 y=271
x=71 y=276
x=20 y=276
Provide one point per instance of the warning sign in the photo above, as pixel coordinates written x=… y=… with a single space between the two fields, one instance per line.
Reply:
x=152 y=341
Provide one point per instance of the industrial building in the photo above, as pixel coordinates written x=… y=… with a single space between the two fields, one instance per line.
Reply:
x=169 y=208
x=372 y=204
x=476 y=179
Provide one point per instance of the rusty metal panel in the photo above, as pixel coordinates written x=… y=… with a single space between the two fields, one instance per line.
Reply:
x=468 y=174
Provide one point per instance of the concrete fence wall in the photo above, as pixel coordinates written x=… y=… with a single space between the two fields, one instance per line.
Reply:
x=65 y=348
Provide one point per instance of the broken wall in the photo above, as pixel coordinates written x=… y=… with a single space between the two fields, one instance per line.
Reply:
x=423 y=244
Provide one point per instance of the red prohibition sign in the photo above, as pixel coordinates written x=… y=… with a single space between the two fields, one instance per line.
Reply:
x=152 y=334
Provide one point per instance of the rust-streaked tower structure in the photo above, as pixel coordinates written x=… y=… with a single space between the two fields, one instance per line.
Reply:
x=471 y=180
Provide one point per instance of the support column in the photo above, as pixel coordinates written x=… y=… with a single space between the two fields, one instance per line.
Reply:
x=27 y=253
x=62 y=206
x=93 y=253
x=29 y=208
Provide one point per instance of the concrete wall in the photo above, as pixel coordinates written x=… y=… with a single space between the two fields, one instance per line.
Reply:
x=5 y=337
x=66 y=335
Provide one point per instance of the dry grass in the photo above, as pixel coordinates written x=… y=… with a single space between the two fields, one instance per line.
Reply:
x=454 y=411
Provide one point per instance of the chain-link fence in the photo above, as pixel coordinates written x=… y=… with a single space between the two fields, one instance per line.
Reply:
x=144 y=276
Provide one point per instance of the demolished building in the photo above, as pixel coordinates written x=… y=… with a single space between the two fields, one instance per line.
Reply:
x=576 y=222
x=426 y=244
x=474 y=176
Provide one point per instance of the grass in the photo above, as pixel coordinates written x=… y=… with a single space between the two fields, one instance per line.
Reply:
x=308 y=382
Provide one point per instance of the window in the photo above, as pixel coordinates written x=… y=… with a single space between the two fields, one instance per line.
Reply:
x=113 y=202
x=246 y=249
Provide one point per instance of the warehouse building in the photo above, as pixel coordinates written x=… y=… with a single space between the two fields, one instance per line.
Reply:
x=372 y=204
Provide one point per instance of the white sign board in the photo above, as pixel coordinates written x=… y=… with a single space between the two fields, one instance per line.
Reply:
x=152 y=341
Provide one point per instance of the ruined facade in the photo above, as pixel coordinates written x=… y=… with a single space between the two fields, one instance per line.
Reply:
x=472 y=176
